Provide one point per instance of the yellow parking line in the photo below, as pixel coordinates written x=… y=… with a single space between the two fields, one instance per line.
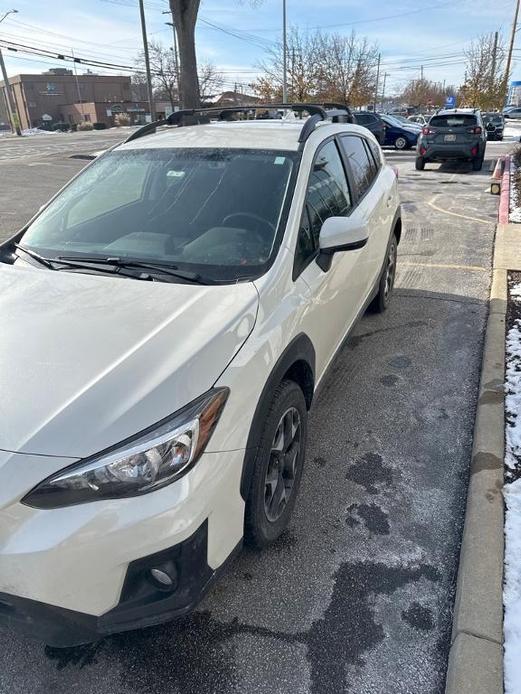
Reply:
x=456 y=214
x=473 y=268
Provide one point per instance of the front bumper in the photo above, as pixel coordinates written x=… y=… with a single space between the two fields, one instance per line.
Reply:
x=143 y=602
x=73 y=575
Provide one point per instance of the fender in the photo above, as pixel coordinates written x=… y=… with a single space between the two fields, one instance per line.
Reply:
x=299 y=351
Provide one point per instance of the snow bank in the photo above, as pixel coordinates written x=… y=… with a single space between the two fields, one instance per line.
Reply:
x=515 y=193
x=512 y=495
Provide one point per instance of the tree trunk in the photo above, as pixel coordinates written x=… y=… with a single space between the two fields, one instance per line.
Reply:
x=185 y=16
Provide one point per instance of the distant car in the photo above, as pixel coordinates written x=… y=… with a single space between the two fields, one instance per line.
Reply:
x=372 y=122
x=399 y=135
x=419 y=119
x=494 y=125
x=513 y=113
x=453 y=134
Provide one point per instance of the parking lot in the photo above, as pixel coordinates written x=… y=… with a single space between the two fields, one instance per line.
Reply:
x=357 y=596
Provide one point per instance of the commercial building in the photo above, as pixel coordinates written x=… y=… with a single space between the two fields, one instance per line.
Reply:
x=42 y=98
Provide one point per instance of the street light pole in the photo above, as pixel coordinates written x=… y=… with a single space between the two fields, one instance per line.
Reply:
x=176 y=60
x=284 y=56
x=147 y=61
x=12 y=108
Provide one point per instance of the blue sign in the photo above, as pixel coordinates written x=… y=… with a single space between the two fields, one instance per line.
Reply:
x=450 y=102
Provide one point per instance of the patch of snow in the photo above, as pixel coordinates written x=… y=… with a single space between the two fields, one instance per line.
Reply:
x=512 y=130
x=36 y=131
x=512 y=590
x=512 y=496
x=515 y=196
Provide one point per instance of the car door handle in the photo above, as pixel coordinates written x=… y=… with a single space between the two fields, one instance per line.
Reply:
x=390 y=200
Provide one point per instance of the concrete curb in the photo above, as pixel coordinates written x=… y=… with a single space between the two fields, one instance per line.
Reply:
x=476 y=653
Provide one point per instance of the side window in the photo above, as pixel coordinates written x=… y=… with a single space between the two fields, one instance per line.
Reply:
x=362 y=118
x=327 y=196
x=372 y=163
x=376 y=152
x=360 y=162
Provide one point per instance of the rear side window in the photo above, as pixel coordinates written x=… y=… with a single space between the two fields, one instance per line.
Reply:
x=365 y=118
x=361 y=162
x=455 y=120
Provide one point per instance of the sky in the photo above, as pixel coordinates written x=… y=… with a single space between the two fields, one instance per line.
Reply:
x=234 y=34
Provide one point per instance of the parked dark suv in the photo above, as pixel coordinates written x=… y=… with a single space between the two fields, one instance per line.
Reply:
x=494 y=125
x=452 y=135
x=372 y=122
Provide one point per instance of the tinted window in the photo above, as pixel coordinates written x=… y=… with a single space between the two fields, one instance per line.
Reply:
x=376 y=152
x=363 y=118
x=453 y=120
x=360 y=161
x=327 y=196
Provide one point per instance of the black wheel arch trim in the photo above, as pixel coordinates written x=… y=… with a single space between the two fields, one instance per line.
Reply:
x=299 y=350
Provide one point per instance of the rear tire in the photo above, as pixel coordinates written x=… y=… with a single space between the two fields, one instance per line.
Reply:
x=278 y=466
x=401 y=143
x=477 y=164
x=385 y=286
x=420 y=163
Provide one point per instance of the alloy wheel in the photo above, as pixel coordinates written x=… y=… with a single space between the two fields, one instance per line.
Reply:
x=400 y=143
x=390 y=271
x=282 y=465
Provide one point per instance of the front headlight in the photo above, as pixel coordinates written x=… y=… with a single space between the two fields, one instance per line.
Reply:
x=148 y=461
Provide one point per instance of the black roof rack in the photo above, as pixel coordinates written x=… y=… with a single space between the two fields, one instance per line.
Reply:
x=338 y=113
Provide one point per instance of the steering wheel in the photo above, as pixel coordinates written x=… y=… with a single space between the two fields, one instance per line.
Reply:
x=256 y=218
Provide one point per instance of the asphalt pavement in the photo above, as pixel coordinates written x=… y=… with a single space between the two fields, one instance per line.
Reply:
x=357 y=596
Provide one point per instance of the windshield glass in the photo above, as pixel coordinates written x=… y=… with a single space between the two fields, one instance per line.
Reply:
x=217 y=211
x=453 y=121
x=391 y=120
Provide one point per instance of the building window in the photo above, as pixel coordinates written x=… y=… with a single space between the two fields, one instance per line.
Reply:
x=87 y=117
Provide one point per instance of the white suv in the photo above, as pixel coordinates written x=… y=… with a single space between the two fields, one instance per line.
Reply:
x=166 y=321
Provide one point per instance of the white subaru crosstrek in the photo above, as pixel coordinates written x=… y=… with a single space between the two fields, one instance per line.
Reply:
x=166 y=320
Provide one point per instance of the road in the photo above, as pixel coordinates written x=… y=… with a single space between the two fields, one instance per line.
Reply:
x=357 y=597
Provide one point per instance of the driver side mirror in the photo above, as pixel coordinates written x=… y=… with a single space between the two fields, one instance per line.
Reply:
x=340 y=234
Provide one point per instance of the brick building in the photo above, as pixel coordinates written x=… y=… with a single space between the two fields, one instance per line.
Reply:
x=42 y=98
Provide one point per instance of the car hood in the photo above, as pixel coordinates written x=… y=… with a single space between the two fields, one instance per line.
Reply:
x=89 y=360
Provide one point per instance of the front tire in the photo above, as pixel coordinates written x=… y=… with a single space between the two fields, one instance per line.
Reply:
x=420 y=163
x=477 y=164
x=386 y=284
x=278 y=466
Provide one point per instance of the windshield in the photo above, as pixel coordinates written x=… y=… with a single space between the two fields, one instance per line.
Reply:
x=453 y=121
x=217 y=211
x=391 y=120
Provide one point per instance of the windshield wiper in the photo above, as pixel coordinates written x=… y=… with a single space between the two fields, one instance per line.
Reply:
x=118 y=262
x=43 y=261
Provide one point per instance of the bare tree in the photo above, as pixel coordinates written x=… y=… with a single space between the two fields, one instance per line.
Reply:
x=424 y=92
x=321 y=67
x=210 y=80
x=484 y=73
x=184 y=13
x=163 y=69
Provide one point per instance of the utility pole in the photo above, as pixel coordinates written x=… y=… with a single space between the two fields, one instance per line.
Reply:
x=493 y=68
x=284 y=55
x=377 y=82
x=147 y=61
x=12 y=106
x=421 y=73
x=80 y=100
x=386 y=75
x=510 y=51
x=176 y=56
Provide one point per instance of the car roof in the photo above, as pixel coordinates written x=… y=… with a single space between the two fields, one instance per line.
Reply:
x=268 y=134
x=456 y=111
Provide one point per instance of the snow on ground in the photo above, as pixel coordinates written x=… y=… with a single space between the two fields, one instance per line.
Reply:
x=515 y=193
x=512 y=130
x=512 y=495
